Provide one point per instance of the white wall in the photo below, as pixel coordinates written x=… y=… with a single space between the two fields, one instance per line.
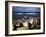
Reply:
x=2 y=17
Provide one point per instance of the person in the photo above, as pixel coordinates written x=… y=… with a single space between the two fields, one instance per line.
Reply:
x=38 y=23
x=21 y=24
x=14 y=27
x=30 y=26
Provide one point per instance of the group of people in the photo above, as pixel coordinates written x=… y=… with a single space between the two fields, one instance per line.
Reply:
x=34 y=25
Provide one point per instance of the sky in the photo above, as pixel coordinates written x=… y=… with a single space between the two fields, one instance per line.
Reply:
x=26 y=9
